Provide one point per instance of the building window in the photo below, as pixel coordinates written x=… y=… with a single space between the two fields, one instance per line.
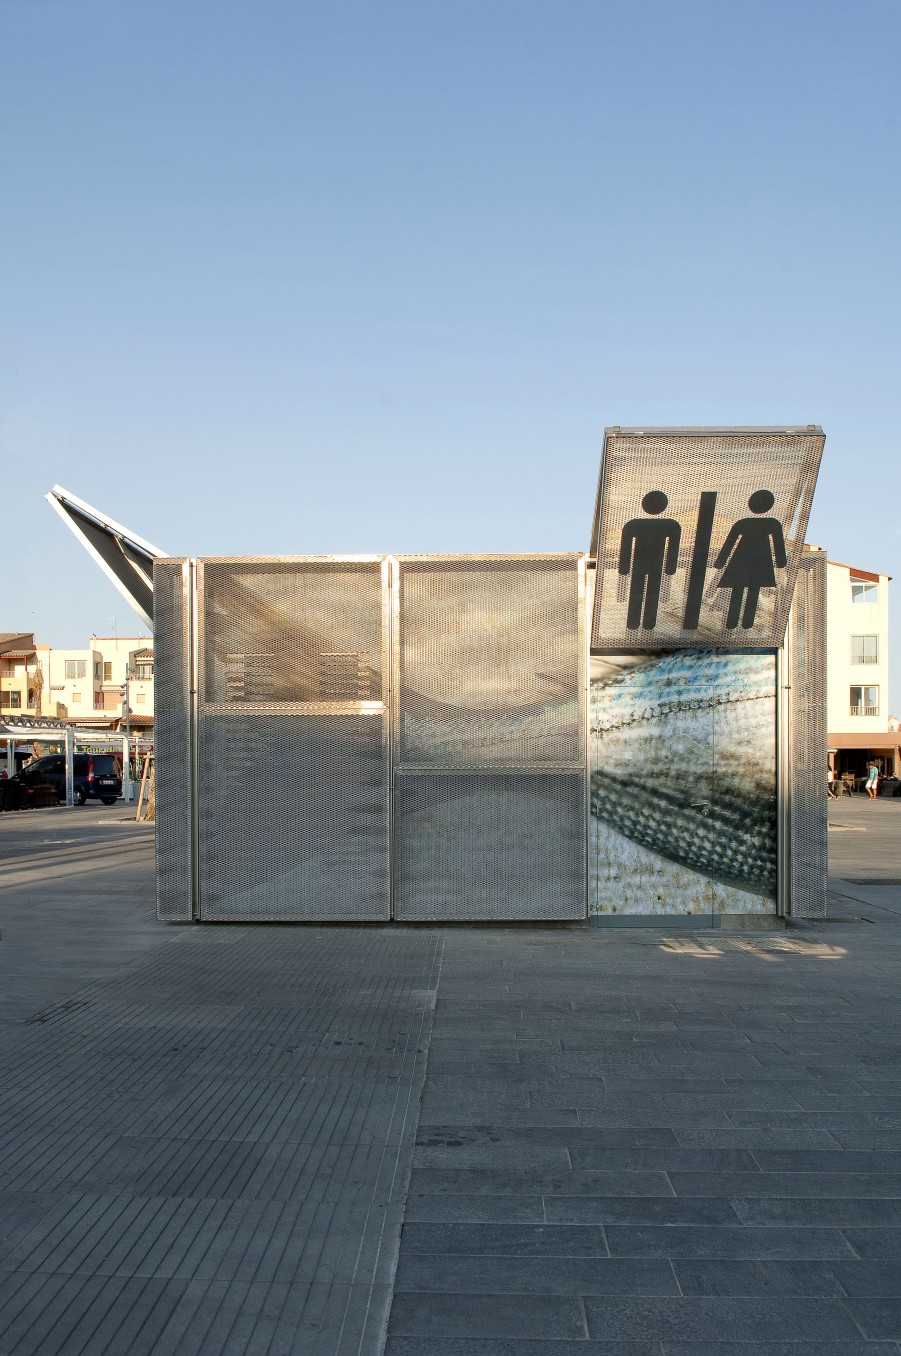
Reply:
x=76 y=696
x=140 y=698
x=107 y=670
x=76 y=668
x=144 y=669
x=864 y=649
x=864 y=701
x=97 y=670
x=13 y=700
x=862 y=592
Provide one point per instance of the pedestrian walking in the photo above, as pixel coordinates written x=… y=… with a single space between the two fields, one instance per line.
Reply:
x=872 y=783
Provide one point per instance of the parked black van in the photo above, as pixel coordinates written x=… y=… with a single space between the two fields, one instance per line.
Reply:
x=98 y=775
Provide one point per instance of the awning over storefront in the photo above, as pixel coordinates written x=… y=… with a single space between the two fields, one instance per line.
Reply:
x=853 y=751
x=876 y=742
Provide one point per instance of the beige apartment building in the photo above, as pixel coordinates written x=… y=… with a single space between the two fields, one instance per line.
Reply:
x=20 y=678
x=87 y=686
x=857 y=712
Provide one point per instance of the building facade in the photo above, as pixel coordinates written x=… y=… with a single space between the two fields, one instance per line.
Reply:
x=84 y=685
x=20 y=678
x=858 y=718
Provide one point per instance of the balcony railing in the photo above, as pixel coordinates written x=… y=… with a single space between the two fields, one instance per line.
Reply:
x=864 y=659
x=864 y=710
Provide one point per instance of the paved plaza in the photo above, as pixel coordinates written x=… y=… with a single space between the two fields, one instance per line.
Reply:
x=262 y=1140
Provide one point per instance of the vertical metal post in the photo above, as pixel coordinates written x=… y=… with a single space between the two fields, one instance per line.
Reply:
x=194 y=603
x=591 y=853
x=10 y=757
x=70 y=768
x=127 y=789
x=783 y=772
x=389 y=592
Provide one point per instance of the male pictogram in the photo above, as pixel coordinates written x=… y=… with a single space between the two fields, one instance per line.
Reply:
x=752 y=548
x=649 y=548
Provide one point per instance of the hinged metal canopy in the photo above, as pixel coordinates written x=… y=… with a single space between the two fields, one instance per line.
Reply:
x=123 y=556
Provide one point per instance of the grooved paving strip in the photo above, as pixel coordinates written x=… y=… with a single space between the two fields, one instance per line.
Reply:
x=207 y=1151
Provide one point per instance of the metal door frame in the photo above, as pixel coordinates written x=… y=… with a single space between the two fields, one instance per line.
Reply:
x=578 y=767
x=200 y=707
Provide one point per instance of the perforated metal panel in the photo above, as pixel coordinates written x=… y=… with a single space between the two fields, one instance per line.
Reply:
x=490 y=847
x=172 y=737
x=808 y=854
x=294 y=819
x=489 y=700
x=489 y=669
x=293 y=752
x=698 y=534
x=284 y=631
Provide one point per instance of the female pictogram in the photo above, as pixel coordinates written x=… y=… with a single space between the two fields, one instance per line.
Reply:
x=752 y=549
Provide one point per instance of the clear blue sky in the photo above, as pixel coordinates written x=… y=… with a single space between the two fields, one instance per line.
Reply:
x=289 y=277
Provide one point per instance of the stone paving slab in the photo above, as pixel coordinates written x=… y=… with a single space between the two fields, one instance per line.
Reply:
x=726 y=1108
x=442 y=1142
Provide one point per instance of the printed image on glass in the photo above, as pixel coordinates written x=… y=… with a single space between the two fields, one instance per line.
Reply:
x=697 y=537
x=683 y=783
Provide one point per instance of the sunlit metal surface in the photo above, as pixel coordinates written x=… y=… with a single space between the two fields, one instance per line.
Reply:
x=807 y=847
x=172 y=739
x=489 y=738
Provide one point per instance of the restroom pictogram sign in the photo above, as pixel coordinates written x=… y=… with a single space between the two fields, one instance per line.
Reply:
x=697 y=535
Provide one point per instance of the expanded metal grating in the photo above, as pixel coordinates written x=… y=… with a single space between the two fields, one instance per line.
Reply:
x=490 y=700
x=294 y=818
x=702 y=515
x=808 y=859
x=172 y=737
x=292 y=631
x=293 y=752
x=489 y=847
x=489 y=663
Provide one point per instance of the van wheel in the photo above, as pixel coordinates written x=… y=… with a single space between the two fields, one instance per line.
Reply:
x=79 y=796
x=109 y=800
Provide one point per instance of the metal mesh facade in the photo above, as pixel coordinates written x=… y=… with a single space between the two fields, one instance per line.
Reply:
x=490 y=701
x=489 y=847
x=172 y=738
x=807 y=848
x=292 y=734
x=290 y=788
x=679 y=511
x=291 y=632
x=294 y=819
x=489 y=665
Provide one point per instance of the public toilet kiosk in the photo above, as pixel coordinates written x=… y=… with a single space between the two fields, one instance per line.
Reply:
x=634 y=735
